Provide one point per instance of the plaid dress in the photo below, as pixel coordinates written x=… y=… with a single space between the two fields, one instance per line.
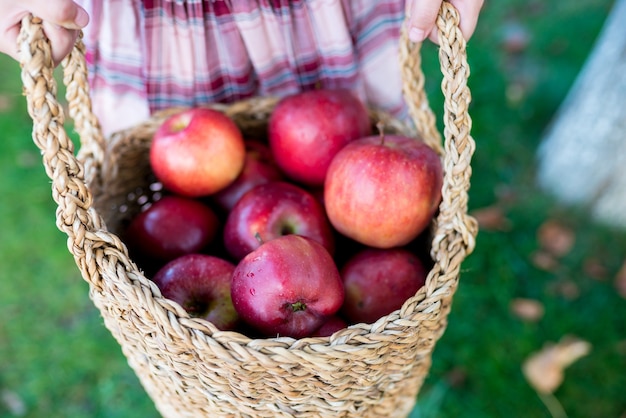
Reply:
x=153 y=54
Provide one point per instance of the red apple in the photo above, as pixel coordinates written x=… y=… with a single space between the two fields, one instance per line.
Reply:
x=289 y=286
x=271 y=210
x=379 y=281
x=171 y=227
x=332 y=325
x=200 y=283
x=383 y=191
x=307 y=129
x=197 y=152
x=259 y=167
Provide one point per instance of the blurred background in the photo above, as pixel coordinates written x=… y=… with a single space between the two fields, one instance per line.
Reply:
x=543 y=293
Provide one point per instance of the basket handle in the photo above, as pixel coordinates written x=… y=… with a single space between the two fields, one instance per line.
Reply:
x=70 y=176
x=75 y=215
x=454 y=227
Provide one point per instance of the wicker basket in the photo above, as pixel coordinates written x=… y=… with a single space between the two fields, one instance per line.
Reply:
x=188 y=367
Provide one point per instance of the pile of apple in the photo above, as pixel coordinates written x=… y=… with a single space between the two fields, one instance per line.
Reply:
x=311 y=228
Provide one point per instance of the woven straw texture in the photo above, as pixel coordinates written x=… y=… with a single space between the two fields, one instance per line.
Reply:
x=188 y=367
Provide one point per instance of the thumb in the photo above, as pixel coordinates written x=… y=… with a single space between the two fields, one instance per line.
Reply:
x=62 y=40
x=61 y=21
x=63 y=13
x=422 y=17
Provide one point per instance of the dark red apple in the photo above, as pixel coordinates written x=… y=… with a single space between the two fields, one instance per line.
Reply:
x=383 y=191
x=379 y=281
x=307 y=129
x=332 y=325
x=259 y=167
x=197 y=152
x=171 y=227
x=289 y=286
x=200 y=283
x=271 y=210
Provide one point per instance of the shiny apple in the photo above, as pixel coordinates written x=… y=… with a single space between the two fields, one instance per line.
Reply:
x=200 y=283
x=197 y=152
x=379 y=281
x=289 y=286
x=307 y=129
x=171 y=227
x=383 y=191
x=271 y=210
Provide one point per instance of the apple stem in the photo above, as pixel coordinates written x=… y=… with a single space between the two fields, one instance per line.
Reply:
x=381 y=131
x=298 y=306
x=258 y=238
x=181 y=122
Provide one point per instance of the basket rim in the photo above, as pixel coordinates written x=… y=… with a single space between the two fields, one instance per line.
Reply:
x=351 y=335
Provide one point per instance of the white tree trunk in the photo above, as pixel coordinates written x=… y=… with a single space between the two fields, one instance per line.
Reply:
x=582 y=158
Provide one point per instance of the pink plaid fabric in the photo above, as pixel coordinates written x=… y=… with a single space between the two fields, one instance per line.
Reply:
x=153 y=54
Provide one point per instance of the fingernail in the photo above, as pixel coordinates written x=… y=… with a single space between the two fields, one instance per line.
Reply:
x=82 y=18
x=417 y=35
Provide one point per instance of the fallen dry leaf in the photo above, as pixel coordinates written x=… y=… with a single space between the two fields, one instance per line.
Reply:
x=544 y=260
x=6 y=103
x=28 y=159
x=527 y=309
x=620 y=281
x=13 y=402
x=564 y=288
x=456 y=377
x=491 y=218
x=516 y=92
x=515 y=37
x=506 y=194
x=595 y=269
x=556 y=238
x=544 y=369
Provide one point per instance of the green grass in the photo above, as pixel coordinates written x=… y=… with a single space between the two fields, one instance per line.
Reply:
x=57 y=359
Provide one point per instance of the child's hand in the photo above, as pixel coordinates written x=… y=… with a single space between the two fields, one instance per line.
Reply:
x=61 y=21
x=423 y=14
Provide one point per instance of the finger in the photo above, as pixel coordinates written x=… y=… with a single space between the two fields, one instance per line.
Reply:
x=469 y=10
x=64 y=13
x=62 y=40
x=422 y=16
